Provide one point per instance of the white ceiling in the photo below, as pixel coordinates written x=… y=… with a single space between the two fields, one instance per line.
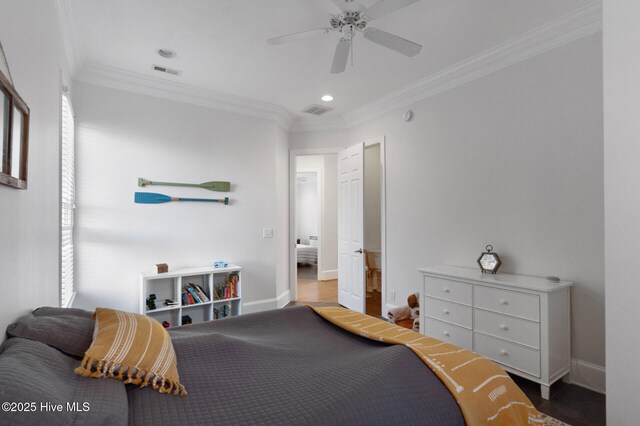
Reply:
x=221 y=44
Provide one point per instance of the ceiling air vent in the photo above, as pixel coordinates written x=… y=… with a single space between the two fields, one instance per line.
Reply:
x=316 y=109
x=166 y=70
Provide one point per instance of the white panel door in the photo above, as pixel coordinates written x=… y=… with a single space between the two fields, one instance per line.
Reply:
x=351 y=292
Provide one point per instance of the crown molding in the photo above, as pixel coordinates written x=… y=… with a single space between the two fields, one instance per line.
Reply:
x=116 y=78
x=69 y=33
x=316 y=124
x=558 y=32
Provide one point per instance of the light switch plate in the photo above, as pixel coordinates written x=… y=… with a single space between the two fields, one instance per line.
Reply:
x=267 y=233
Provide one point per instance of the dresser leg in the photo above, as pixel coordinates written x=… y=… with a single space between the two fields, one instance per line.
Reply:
x=544 y=391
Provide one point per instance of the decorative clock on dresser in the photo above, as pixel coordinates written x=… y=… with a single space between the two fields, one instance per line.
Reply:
x=521 y=322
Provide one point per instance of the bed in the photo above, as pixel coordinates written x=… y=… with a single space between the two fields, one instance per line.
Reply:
x=287 y=366
x=306 y=254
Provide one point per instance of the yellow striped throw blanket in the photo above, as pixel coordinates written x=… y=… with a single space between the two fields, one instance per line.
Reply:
x=485 y=393
x=134 y=348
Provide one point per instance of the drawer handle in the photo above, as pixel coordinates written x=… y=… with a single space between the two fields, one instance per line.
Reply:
x=504 y=302
x=504 y=327
x=446 y=333
x=504 y=353
x=446 y=290
x=446 y=311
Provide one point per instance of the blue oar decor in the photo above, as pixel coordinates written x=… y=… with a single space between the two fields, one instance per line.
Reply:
x=153 y=198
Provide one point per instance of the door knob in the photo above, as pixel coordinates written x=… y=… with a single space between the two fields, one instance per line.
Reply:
x=359 y=251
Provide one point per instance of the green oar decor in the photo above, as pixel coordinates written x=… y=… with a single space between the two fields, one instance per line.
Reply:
x=153 y=198
x=211 y=186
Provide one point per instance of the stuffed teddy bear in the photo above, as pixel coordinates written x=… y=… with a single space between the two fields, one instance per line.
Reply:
x=411 y=311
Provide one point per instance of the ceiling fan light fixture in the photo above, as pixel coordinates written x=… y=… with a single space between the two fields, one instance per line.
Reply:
x=327 y=98
x=167 y=53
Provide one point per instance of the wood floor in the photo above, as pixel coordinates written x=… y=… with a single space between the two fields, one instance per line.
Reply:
x=312 y=290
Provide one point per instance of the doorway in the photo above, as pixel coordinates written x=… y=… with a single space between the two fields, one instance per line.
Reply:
x=315 y=228
x=373 y=229
x=373 y=262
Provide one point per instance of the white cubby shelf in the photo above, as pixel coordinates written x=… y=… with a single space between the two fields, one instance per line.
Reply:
x=169 y=285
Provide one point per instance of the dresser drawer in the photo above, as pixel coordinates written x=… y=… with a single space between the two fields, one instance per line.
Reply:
x=523 y=305
x=448 y=333
x=454 y=291
x=509 y=354
x=507 y=327
x=448 y=311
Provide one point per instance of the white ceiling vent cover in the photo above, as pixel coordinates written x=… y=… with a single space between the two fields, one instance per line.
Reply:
x=316 y=109
x=166 y=70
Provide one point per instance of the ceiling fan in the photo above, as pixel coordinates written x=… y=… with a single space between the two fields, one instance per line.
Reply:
x=353 y=19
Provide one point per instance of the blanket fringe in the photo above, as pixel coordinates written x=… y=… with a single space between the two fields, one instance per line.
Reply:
x=93 y=368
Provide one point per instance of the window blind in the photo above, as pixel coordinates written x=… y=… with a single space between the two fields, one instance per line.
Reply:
x=67 y=203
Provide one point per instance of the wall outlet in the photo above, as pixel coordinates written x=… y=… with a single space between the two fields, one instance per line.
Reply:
x=392 y=295
x=267 y=233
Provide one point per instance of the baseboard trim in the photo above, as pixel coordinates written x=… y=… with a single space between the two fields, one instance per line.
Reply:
x=588 y=375
x=259 y=305
x=331 y=274
x=284 y=299
x=266 y=304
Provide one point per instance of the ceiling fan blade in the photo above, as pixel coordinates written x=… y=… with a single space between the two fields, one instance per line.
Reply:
x=385 y=7
x=392 y=42
x=299 y=36
x=341 y=56
x=348 y=5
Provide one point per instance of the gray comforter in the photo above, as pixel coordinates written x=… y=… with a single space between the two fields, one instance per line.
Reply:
x=290 y=366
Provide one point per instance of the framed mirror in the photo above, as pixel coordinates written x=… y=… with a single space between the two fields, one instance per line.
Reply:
x=14 y=134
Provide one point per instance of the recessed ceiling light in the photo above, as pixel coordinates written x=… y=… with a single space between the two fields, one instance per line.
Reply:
x=327 y=98
x=167 y=53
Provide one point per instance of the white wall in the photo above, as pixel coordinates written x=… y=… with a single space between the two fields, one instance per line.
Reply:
x=327 y=167
x=308 y=205
x=330 y=218
x=29 y=219
x=372 y=200
x=513 y=159
x=122 y=136
x=283 y=242
x=622 y=207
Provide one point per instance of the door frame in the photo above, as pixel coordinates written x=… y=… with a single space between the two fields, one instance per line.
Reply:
x=383 y=219
x=293 y=172
x=293 y=154
x=320 y=207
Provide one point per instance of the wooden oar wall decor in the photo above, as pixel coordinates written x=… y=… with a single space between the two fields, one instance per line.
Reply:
x=211 y=186
x=154 y=198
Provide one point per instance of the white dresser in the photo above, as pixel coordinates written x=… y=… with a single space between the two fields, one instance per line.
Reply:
x=520 y=322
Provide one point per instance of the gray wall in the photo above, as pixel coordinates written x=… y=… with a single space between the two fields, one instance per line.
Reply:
x=29 y=219
x=122 y=136
x=622 y=207
x=514 y=159
x=372 y=198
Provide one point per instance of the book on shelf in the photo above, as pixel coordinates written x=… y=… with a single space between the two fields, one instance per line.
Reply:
x=194 y=294
x=200 y=292
x=187 y=298
x=228 y=290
